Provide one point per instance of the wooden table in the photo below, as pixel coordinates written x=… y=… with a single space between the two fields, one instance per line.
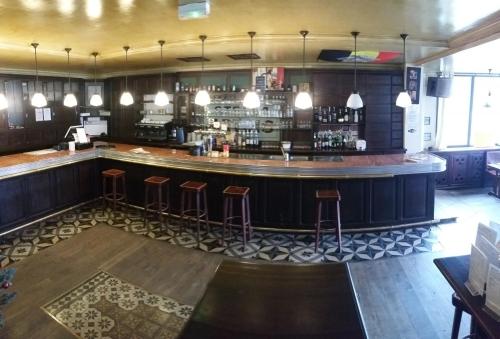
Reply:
x=456 y=272
x=248 y=300
x=495 y=167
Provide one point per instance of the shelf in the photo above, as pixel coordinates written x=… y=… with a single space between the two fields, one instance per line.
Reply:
x=339 y=124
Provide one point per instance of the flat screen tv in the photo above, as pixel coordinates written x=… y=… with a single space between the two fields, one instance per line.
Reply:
x=438 y=87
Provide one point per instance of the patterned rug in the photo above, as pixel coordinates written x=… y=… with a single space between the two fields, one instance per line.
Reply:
x=104 y=306
x=270 y=246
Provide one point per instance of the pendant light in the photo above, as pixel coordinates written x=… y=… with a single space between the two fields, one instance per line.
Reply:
x=126 y=99
x=95 y=99
x=303 y=99
x=161 y=98
x=202 y=97
x=354 y=101
x=404 y=99
x=69 y=98
x=251 y=99
x=38 y=99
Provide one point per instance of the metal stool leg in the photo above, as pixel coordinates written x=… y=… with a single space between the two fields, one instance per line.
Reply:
x=198 y=210
x=224 y=219
x=243 y=222
x=247 y=198
x=318 y=224
x=114 y=194
x=339 y=235
x=103 y=194
x=181 y=221
x=146 y=201
x=160 y=216
x=205 y=206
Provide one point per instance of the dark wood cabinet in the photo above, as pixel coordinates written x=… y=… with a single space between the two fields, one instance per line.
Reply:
x=465 y=169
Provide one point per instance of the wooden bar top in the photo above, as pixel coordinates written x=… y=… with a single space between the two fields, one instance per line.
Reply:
x=359 y=166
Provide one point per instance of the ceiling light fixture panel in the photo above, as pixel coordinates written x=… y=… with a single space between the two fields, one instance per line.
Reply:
x=193 y=9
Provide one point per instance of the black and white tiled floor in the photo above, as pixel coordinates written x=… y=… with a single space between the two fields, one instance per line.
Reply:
x=270 y=246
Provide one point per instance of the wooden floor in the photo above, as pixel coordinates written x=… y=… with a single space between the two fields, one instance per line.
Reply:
x=399 y=297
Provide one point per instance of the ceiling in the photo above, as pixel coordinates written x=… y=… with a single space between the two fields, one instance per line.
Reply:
x=435 y=27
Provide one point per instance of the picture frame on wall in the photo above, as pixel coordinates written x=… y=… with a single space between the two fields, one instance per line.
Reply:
x=413 y=75
x=92 y=88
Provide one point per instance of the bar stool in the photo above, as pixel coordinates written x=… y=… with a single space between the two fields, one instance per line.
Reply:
x=187 y=190
x=157 y=183
x=242 y=193
x=327 y=196
x=457 y=317
x=114 y=196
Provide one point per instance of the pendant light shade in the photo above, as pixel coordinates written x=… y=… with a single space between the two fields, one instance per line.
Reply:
x=303 y=99
x=3 y=102
x=95 y=99
x=251 y=99
x=38 y=99
x=69 y=98
x=126 y=98
x=354 y=101
x=161 y=98
x=403 y=100
x=202 y=98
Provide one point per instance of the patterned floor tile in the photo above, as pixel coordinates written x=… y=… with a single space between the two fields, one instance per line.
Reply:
x=269 y=246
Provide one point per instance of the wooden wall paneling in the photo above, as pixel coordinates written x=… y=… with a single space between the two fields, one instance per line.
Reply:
x=12 y=202
x=476 y=162
x=40 y=197
x=414 y=190
x=66 y=185
x=383 y=199
x=280 y=198
x=458 y=169
x=87 y=180
x=354 y=203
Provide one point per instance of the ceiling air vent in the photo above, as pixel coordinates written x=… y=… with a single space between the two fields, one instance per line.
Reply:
x=193 y=9
x=193 y=59
x=246 y=56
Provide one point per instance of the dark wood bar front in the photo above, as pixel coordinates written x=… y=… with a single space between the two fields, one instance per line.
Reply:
x=376 y=191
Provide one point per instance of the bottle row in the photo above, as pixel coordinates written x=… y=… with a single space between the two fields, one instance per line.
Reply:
x=332 y=140
x=337 y=114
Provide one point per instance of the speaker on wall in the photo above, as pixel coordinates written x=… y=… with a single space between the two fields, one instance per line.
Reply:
x=438 y=87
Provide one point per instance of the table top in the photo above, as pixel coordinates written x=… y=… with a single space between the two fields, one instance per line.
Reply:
x=249 y=300
x=495 y=166
x=456 y=272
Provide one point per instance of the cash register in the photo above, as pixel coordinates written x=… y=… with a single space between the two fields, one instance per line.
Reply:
x=80 y=138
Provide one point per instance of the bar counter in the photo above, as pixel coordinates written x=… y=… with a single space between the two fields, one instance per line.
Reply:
x=376 y=190
x=359 y=166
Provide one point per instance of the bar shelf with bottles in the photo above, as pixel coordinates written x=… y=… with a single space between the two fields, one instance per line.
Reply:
x=337 y=128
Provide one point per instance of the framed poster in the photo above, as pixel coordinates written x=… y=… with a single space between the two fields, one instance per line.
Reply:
x=413 y=83
x=92 y=88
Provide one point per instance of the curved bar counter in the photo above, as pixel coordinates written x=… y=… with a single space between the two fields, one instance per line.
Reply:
x=376 y=190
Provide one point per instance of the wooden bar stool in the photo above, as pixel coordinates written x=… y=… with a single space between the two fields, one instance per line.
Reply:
x=114 y=196
x=327 y=196
x=187 y=190
x=157 y=183
x=241 y=193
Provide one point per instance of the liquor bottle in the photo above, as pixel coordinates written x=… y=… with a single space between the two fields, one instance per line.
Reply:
x=356 y=117
x=243 y=139
x=315 y=141
x=346 y=115
x=334 y=115
x=315 y=114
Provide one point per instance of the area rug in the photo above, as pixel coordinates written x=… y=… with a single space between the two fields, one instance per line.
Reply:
x=105 y=306
x=268 y=246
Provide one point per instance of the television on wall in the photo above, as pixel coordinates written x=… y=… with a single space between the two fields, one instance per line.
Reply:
x=438 y=87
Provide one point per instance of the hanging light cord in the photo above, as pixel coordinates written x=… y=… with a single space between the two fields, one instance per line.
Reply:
x=126 y=48
x=202 y=38
x=304 y=53
x=69 y=72
x=252 y=34
x=355 y=60
x=35 y=45
x=161 y=42
x=404 y=36
x=95 y=68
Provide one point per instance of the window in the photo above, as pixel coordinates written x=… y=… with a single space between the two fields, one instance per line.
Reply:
x=471 y=115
